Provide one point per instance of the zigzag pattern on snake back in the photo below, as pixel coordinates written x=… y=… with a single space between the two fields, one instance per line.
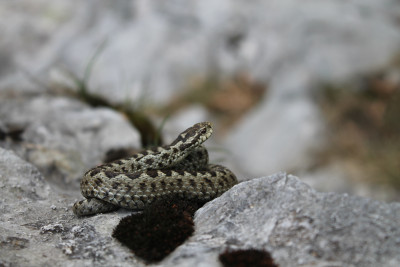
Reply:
x=180 y=168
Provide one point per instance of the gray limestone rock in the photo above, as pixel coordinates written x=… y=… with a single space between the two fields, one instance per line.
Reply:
x=279 y=213
x=64 y=137
x=299 y=226
x=38 y=228
x=153 y=50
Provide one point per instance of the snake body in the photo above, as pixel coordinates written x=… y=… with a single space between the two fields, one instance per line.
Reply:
x=179 y=169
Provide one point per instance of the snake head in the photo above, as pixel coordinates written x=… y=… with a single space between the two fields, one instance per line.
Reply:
x=193 y=136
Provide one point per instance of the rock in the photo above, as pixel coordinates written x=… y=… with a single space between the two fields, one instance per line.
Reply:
x=296 y=224
x=149 y=51
x=33 y=188
x=152 y=49
x=279 y=213
x=33 y=233
x=279 y=135
x=64 y=137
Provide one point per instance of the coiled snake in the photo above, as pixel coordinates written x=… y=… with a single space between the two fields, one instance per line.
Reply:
x=180 y=168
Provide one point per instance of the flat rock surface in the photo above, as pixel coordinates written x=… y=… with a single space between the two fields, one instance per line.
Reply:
x=279 y=213
x=38 y=228
x=300 y=226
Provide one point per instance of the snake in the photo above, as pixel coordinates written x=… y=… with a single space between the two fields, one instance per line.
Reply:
x=179 y=169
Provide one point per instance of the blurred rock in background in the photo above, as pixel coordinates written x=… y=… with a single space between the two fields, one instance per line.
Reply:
x=259 y=70
x=310 y=88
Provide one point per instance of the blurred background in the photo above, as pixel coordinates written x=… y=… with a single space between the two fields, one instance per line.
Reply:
x=306 y=87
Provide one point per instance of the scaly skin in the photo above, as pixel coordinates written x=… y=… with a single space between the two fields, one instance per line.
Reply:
x=180 y=169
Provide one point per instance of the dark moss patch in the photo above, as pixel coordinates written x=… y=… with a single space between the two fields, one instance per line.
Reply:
x=155 y=233
x=14 y=133
x=249 y=257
